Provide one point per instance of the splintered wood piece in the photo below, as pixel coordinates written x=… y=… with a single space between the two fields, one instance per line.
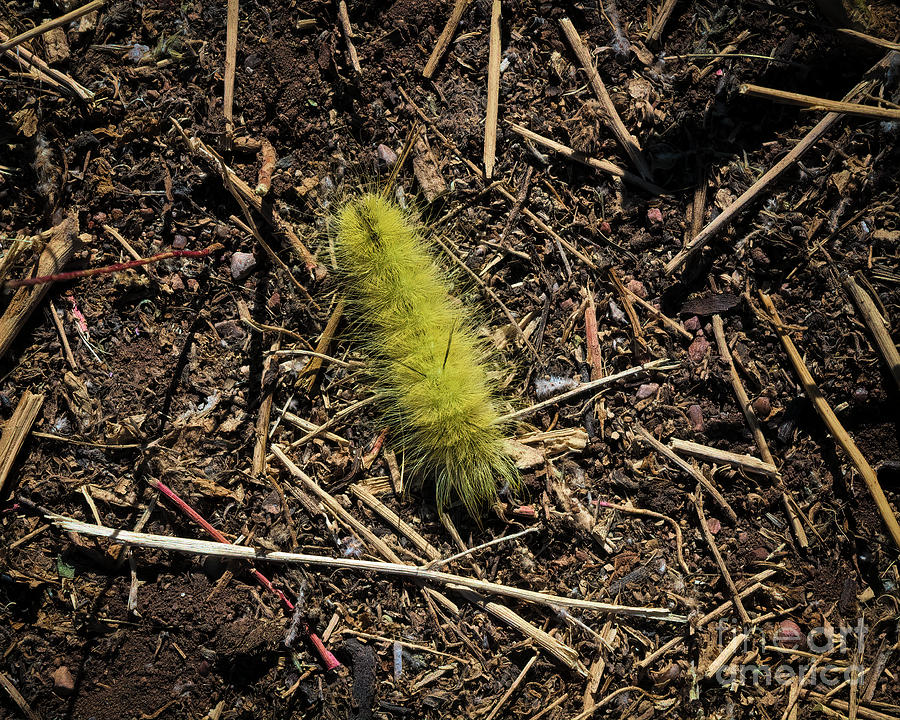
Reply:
x=665 y=12
x=625 y=138
x=841 y=436
x=427 y=172
x=493 y=93
x=705 y=452
x=877 y=326
x=56 y=254
x=443 y=42
x=344 y=18
x=231 y=38
x=16 y=430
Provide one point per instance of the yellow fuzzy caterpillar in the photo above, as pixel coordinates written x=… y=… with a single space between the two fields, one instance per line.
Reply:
x=426 y=360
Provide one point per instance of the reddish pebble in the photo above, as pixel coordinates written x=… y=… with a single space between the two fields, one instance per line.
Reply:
x=637 y=287
x=760 y=553
x=242 y=264
x=790 y=635
x=714 y=526
x=654 y=215
x=698 y=349
x=63 y=682
x=274 y=302
x=647 y=390
x=386 y=155
x=605 y=228
x=179 y=242
x=692 y=324
x=695 y=415
x=176 y=283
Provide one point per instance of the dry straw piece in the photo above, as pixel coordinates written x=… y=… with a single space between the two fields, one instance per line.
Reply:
x=214 y=549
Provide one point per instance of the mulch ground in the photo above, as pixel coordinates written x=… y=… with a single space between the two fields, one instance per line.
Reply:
x=176 y=371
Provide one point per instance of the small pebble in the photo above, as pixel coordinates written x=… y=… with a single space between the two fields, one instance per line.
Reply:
x=63 y=682
x=242 y=264
x=179 y=242
x=654 y=215
x=176 y=283
x=714 y=525
x=760 y=554
x=193 y=285
x=637 y=287
x=692 y=324
x=695 y=415
x=605 y=228
x=790 y=635
x=759 y=256
x=860 y=395
x=386 y=155
x=698 y=349
x=274 y=302
x=647 y=390
x=230 y=330
x=762 y=406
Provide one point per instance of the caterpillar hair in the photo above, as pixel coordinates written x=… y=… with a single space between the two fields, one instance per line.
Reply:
x=426 y=360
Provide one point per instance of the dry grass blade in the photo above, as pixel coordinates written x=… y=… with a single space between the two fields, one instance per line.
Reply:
x=753 y=423
x=17 y=697
x=815 y=103
x=732 y=211
x=586 y=388
x=625 y=138
x=834 y=425
x=50 y=24
x=687 y=468
x=605 y=166
x=41 y=71
x=240 y=552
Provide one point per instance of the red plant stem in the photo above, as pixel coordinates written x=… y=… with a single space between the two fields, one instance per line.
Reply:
x=117 y=267
x=331 y=662
x=376 y=448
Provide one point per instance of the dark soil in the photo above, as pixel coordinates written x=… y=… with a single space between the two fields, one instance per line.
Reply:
x=168 y=379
